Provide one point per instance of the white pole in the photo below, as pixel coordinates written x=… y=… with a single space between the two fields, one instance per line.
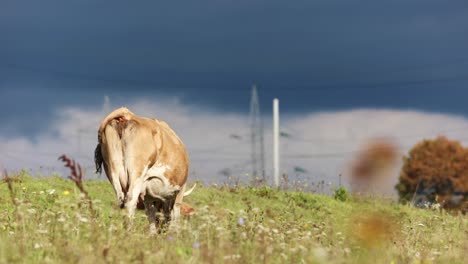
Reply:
x=276 y=141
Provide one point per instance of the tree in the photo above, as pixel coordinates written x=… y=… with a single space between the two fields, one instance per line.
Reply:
x=437 y=170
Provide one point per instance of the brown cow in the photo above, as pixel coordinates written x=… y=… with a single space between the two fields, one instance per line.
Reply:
x=143 y=159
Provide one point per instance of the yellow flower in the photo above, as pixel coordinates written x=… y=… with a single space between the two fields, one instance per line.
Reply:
x=24 y=188
x=4 y=227
x=66 y=193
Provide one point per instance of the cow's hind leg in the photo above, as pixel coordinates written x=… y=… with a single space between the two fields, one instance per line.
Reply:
x=132 y=198
x=139 y=155
x=115 y=169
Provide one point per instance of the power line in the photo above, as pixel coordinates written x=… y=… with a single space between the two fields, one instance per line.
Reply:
x=307 y=87
x=300 y=138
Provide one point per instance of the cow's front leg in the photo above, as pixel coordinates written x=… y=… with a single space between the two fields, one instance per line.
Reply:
x=151 y=214
x=179 y=196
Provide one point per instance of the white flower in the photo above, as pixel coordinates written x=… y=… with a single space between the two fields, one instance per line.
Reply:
x=237 y=256
x=320 y=253
x=269 y=250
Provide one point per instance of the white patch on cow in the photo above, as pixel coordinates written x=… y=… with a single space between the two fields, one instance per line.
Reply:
x=158 y=169
x=157 y=184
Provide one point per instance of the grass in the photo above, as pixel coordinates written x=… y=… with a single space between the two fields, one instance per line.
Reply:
x=52 y=223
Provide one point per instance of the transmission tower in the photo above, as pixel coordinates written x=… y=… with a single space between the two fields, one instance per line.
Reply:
x=106 y=106
x=256 y=134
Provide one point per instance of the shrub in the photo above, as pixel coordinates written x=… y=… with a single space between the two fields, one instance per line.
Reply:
x=341 y=194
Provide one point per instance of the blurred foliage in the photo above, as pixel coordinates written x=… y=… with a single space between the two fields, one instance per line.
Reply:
x=373 y=159
x=435 y=171
x=373 y=166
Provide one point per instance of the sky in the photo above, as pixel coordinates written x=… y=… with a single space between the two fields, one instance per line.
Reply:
x=344 y=72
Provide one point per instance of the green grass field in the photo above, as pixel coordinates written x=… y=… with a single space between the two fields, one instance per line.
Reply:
x=50 y=222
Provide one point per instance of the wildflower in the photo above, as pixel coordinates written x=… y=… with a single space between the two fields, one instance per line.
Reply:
x=24 y=188
x=4 y=227
x=240 y=221
x=320 y=253
x=196 y=245
x=52 y=191
x=66 y=192
x=237 y=256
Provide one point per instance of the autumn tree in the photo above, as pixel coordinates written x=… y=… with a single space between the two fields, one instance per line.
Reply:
x=437 y=169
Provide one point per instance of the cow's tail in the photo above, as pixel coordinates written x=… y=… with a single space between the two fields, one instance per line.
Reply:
x=98 y=160
x=122 y=114
x=191 y=190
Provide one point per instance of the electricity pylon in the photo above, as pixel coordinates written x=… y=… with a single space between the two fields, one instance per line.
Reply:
x=256 y=134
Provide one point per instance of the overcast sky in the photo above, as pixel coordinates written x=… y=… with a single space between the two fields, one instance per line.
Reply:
x=327 y=61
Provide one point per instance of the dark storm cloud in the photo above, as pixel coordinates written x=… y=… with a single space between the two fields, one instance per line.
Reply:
x=312 y=54
x=327 y=39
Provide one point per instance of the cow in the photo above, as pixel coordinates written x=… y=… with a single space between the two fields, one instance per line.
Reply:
x=145 y=161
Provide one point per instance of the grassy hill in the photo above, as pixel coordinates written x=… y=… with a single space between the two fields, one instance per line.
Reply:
x=48 y=221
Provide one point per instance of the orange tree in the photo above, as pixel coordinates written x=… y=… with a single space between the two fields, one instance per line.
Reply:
x=437 y=170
